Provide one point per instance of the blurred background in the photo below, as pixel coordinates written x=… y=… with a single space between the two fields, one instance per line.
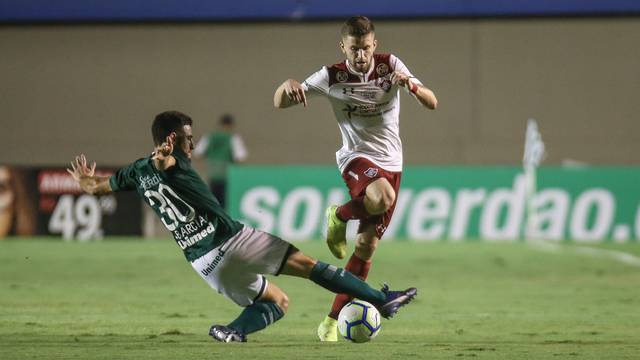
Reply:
x=89 y=76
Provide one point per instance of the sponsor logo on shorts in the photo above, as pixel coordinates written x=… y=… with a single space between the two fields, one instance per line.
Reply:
x=371 y=172
x=342 y=76
x=216 y=260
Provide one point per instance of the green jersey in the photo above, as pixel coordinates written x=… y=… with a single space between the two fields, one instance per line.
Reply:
x=219 y=155
x=182 y=201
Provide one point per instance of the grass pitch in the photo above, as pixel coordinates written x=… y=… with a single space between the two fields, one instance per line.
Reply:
x=120 y=299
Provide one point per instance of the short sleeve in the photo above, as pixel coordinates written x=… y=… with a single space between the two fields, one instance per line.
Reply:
x=238 y=150
x=318 y=82
x=123 y=179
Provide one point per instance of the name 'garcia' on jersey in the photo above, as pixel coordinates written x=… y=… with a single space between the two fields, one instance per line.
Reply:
x=192 y=232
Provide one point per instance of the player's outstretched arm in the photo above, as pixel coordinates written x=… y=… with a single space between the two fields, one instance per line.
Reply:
x=423 y=94
x=85 y=176
x=289 y=93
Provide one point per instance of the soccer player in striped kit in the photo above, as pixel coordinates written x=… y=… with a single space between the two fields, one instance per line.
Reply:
x=364 y=92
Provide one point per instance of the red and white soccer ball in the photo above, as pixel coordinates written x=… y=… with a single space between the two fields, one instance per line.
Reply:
x=359 y=321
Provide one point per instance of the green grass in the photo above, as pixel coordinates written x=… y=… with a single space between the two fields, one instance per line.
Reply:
x=119 y=299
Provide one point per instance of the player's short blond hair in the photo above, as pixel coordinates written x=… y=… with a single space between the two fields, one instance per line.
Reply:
x=357 y=26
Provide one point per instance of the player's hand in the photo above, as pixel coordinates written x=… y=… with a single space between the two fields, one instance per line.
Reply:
x=295 y=92
x=400 y=78
x=80 y=169
x=165 y=149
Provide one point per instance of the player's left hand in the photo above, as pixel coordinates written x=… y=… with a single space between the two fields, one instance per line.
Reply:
x=165 y=149
x=400 y=78
x=80 y=169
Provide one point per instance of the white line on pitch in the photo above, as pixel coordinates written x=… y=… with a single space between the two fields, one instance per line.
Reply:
x=619 y=256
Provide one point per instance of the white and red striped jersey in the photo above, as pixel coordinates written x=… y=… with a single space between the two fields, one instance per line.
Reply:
x=367 y=108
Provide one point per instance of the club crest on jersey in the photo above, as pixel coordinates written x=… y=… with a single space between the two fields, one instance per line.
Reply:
x=342 y=76
x=371 y=172
x=382 y=69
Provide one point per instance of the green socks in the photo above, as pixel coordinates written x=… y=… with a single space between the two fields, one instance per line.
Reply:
x=256 y=317
x=261 y=314
x=341 y=281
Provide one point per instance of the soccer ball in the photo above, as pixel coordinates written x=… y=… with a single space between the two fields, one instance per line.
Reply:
x=359 y=321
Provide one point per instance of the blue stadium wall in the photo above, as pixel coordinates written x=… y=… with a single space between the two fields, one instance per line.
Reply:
x=30 y=11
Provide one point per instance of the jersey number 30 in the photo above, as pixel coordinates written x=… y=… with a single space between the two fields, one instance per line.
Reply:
x=171 y=207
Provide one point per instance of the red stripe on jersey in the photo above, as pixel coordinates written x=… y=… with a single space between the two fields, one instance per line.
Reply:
x=338 y=73
x=383 y=66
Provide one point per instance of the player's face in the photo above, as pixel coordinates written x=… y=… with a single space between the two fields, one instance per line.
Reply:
x=187 y=144
x=359 y=50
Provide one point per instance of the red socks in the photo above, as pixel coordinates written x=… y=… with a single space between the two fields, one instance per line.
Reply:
x=354 y=209
x=357 y=267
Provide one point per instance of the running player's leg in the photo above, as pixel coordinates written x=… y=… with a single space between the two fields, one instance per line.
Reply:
x=371 y=195
x=379 y=194
x=359 y=264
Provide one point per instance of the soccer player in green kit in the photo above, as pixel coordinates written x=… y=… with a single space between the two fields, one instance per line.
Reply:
x=231 y=257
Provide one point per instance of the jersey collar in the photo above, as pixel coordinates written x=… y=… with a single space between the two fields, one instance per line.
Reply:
x=363 y=77
x=181 y=158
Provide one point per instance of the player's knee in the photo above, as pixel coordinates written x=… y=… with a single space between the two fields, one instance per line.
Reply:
x=387 y=199
x=380 y=197
x=283 y=303
x=299 y=264
x=276 y=296
x=306 y=263
x=382 y=202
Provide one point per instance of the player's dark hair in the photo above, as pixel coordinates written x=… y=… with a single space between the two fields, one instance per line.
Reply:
x=357 y=26
x=167 y=122
x=226 y=119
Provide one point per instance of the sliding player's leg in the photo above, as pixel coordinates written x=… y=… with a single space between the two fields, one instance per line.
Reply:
x=268 y=309
x=234 y=270
x=271 y=303
x=340 y=281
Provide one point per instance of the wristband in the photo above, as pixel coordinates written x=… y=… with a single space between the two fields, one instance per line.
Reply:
x=413 y=87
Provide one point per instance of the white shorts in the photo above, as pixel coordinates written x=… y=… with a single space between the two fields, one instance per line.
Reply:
x=235 y=269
